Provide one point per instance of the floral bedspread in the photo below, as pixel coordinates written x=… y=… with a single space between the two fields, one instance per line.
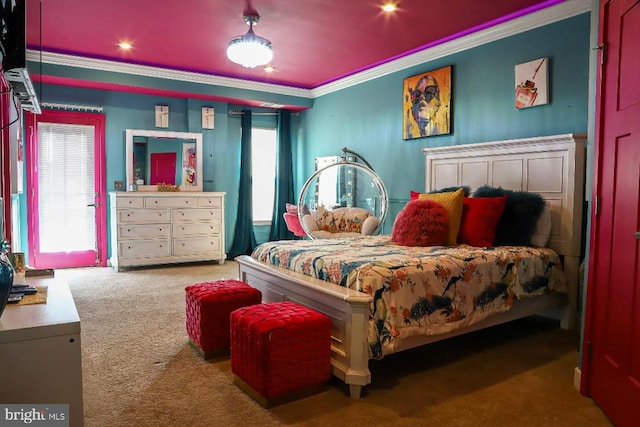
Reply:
x=421 y=290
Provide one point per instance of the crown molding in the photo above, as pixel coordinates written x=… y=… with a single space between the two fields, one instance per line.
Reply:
x=162 y=73
x=561 y=11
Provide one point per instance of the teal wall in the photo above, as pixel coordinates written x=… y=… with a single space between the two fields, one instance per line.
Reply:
x=221 y=146
x=368 y=117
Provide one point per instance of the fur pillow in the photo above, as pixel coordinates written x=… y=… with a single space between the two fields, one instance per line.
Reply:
x=421 y=223
x=520 y=216
x=453 y=203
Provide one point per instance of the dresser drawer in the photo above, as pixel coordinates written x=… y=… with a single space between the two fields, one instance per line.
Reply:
x=144 y=248
x=188 y=246
x=196 y=229
x=129 y=202
x=144 y=231
x=182 y=215
x=148 y=216
x=210 y=202
x=170 y=202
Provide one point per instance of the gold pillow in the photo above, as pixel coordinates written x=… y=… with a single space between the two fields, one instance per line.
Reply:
x=453 y=202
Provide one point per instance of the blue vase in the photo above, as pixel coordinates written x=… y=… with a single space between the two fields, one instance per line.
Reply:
x=6 y=280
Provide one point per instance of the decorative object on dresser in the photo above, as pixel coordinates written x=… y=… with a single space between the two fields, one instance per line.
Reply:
x=162 y=228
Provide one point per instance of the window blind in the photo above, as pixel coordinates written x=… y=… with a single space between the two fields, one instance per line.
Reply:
x=66 y=187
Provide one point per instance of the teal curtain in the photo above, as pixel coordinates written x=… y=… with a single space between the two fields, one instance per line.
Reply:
x=284 y=179
x=244 y=239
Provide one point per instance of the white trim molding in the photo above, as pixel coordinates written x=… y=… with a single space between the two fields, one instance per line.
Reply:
x=577 y=378
x=162 y=73
x=534 y=20
x=561 y=11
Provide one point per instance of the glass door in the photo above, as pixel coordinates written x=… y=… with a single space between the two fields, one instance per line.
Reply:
x=67 y=215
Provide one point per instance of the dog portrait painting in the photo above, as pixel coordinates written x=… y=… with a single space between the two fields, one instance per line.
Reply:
x=427 y=104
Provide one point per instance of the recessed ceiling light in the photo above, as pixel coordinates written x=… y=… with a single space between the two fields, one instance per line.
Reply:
x=125 y=45
x=269 y=69
x=389 y=6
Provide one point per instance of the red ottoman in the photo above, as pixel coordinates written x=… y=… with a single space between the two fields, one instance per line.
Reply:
x=208 y=307
x=280 y=351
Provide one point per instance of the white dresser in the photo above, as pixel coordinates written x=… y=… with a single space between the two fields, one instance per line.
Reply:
x=162 y=228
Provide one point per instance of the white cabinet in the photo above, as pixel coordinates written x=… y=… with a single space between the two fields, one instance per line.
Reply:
x=163 y=228
x=40 y=351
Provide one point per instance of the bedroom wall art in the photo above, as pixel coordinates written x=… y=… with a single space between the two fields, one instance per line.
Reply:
x=531 y=83
x=188 y=163
x=427 y=104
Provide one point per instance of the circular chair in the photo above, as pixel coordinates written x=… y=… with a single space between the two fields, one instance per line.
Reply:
x=343 y=199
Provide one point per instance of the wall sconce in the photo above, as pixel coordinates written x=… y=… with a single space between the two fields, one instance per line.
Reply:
x=207 y=118
x=162 y=116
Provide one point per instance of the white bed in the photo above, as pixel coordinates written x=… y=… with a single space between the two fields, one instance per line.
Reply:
x=552 y=166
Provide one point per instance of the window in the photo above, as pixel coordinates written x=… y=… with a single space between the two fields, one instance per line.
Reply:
x=263 y=172
x=66 y=186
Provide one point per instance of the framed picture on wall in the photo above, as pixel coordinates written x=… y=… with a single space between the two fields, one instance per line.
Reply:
x=427 y=104
x=189 y=164
x=532 y=87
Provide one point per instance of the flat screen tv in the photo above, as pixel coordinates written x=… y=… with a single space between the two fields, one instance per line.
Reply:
x=14 y=34
x=14 y=53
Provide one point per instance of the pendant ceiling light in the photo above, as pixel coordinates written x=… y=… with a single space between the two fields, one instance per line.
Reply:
x=250 y=50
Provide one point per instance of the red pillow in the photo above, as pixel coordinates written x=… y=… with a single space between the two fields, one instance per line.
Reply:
x=421 y=223
x=291 y=208
x=414 y=195
x=480 y=217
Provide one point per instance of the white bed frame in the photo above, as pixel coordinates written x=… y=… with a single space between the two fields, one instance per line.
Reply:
x=552 y=166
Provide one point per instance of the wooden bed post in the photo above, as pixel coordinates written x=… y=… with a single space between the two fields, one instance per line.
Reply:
x=347 y=309
x=356 y=372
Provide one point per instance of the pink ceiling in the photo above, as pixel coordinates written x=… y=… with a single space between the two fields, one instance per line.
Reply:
x=314 y=41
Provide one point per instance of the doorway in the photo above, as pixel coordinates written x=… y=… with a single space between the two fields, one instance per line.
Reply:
x=163 y=168
x=66 y=203
x=611 y=359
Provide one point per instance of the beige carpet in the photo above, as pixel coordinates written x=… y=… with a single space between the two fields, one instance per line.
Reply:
x=138 y=369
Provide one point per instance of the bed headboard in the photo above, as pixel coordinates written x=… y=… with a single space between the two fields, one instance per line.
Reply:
x=552 y=166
